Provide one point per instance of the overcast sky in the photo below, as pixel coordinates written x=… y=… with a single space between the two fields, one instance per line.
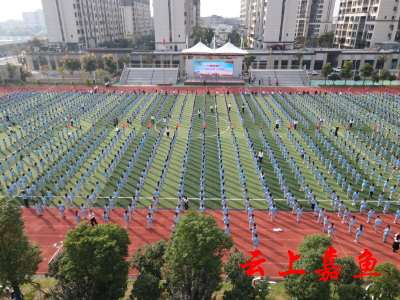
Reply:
x=226 y=8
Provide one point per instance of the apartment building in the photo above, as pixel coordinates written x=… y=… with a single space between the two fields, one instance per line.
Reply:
x=173 y=23
x=363 y=23
x=268 y=23
x=136 y=18
x=86 y=23
x=34 y=19
x=314 y=17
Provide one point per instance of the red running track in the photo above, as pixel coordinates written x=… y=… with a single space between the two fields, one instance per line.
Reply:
x=51 y=229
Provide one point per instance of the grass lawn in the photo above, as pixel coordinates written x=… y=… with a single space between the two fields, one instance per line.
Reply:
x=212 y=180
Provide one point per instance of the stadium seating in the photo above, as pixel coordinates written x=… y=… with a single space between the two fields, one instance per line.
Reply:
x=149 y=76
x=285 y=77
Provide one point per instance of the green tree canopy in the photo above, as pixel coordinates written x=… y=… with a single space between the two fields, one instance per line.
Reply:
x=193 y=257
x=124 y=60
x=110 y=63
x=19 y=258
x=89 y=62
x=384 y=75
x=146 y=287
x=209 y=34
x=234 y=37
x=346 y=276
x=248 y=60
x=345 y=73
x=149 y=258
x=366 y=71
x=97 y=255
x=326 y=70
x=308 y=286
x=10 y=70
x=71 y=64
x=387 y=284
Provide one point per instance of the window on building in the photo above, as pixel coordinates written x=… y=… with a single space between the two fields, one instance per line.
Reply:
x=393 y=64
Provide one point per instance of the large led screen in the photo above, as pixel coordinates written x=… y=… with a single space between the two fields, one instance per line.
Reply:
x=213 y=68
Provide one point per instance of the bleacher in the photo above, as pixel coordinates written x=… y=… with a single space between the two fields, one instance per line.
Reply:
x=285 y=77
x=149 y=76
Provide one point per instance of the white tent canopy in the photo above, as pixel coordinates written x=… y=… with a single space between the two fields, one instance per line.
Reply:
x=228 y=48
x=199 y=48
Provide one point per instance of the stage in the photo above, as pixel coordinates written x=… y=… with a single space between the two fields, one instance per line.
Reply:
x=215 y=81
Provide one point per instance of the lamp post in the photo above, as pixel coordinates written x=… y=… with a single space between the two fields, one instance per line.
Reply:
x=59 y=249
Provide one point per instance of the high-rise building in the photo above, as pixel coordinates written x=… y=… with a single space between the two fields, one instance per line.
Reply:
x=213 y=20
x=314 y=17
x=173 y=23
x=34 y=19
x=136 y=18
x=83 y=22
x=363 y=23
x=273 y=27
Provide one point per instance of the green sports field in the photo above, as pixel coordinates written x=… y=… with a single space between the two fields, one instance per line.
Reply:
x=234 y=193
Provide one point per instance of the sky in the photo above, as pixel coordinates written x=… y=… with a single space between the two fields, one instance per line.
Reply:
x=225 y=8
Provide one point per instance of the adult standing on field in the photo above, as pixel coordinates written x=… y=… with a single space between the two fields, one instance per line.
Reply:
x=92 y=218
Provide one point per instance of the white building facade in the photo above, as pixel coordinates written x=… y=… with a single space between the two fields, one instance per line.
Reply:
x=174 y=21
x=83 y=22
x=268 y=23
x=136 y=18
x=34 y=19
x=314 y=17
x=363 y=23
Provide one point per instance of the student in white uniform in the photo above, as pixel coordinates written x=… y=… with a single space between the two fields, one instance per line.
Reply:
x=273 y=212
x=371 y=214
x=130 y=209
x=326 y=222
x=227 y=229
x=149 y=221
x=126 y=218
x=254 y=231
x=386 y=233
x=105 y=218
x=363 y=206
x=397 y=216
x=38 y=208
x=378 y=223
x=299 y=212
x=359 y=232
x=331 y=229
x=351 y=223
x=256 y=240
x=251 y=221
x=387 y=205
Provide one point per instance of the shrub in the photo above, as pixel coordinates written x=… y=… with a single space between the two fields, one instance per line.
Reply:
x=37 y=81
x=72 y=83
x=106 y=78
x=87 y=81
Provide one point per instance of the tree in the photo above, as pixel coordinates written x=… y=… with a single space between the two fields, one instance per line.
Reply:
x=351 y=292
x=334 y=77
x=242 y=287
x=209 y=34
x=346 y=276
x=71 y=64
x=386 y=285
x=35 y=42
x=45 y=70
x=82 y=74
x=307 y=286
x=356 y=78
x=241 y=283
x=199 y=34
x=248 y=60
x=19 y=258
x=382 y=59
x=22 y=61
x=392 y=78
x=384 y=75
x=97 y=255
x=326 y=40
x=27 y=72
x=326 y=70
x=10 y=70
x=375 y=77
x=299 y=57
x=345 y=73
x=124 y=60
x=366 y=71
x=149 y=258
x=89 y=62
x=146 y=287
x=60 y=70
x=149 y=58
x=193 y=257
x=234 y=37
x=110 y=63
x=342 y=41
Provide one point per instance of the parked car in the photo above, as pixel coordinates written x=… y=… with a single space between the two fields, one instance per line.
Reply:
x=312 y=72
x=337 y=69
